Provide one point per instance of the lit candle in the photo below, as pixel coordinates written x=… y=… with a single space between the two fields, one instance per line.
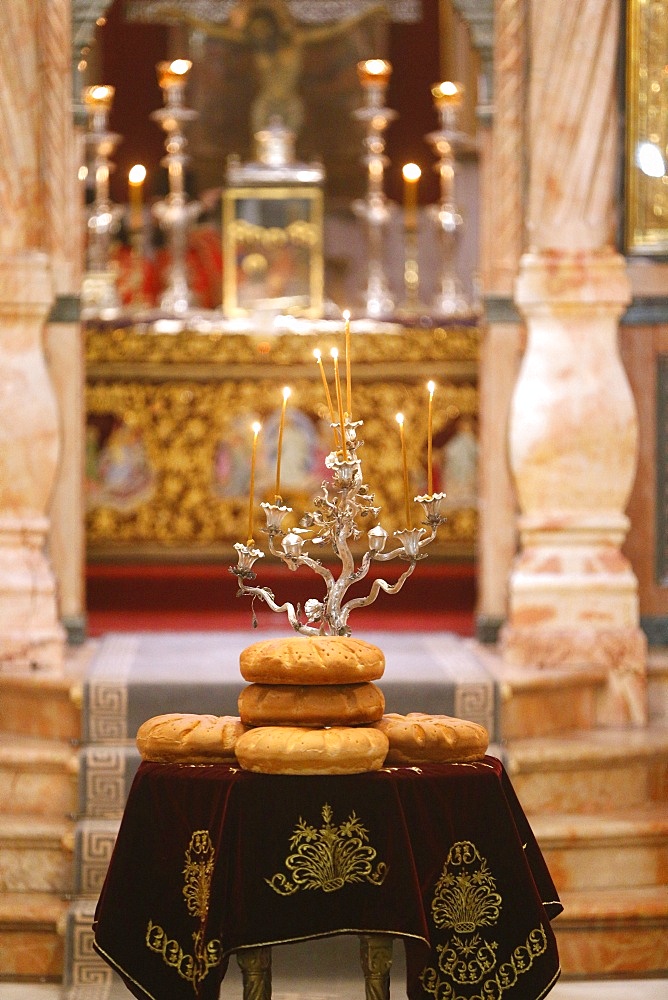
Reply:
x=256 y=428
x=447 y=93
x=173 y=75
x=136 y=179
x=431 y=387
x=286 y=395
x=339 y=399
x=374 y=72
x=404 y=461
x=332 y=419
x=411 y=173
x=349 y=391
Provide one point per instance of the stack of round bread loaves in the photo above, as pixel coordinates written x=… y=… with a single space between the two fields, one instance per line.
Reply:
x=310 y=706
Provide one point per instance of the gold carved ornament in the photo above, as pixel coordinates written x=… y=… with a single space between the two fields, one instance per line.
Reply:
x=466 y=901
x=206 y=955
x=182 y=423
x=329 y=857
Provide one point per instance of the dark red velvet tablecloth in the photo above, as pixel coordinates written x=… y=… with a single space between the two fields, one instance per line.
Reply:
x=212 y=859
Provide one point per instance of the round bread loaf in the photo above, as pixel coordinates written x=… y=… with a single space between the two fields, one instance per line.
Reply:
x=298 y=750
x=314 y=659
x=189 y=739
x=311 y=704
x=418 y=738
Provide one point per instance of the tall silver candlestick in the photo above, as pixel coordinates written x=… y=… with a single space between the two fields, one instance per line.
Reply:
x=374 y=75
x=175 y=213
x=99 y=293
x=449 y=300
x=334 y=522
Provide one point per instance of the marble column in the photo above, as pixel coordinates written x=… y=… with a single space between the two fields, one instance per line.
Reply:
x=502 y=224
x=31 y=637
x=573 y=427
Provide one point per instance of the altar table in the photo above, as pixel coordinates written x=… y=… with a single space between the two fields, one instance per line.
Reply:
x=213 y=860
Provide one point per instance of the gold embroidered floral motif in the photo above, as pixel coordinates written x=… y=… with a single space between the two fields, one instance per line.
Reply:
x=465 y=900
x=329 y=857
x=465 y=896
x=206 y=955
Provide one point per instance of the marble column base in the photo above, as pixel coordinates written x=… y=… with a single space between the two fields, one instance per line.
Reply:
x=620 y=651
x=31 y=637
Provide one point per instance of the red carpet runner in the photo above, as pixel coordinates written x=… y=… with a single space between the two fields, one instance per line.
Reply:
x=202 y=596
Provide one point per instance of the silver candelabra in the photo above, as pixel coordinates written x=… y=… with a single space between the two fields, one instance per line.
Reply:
x=334 y=522
x=449 y=300
x=99 y=293
x=175 y=213
x=374 y=75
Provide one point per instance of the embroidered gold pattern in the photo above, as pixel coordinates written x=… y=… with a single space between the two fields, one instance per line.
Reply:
x=197 y=871
x=465 y=900
x=329 y=857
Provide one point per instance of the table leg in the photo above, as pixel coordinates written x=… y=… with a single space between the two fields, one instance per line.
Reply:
x=255 y=965
x=376 y=960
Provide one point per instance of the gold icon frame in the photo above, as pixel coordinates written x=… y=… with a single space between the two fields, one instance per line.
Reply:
x=273 y=250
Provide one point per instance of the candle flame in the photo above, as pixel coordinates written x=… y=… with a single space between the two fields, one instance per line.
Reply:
x=317 y=354
x=411 y=172
x=346 y=315
x=137 y=174
x=180 y=66
x=431 y=387
x=334 y=353
x=287 y=392
x=399 y=419
x=256 y=427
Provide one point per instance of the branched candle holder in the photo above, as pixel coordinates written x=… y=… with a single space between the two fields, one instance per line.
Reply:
x=99 y=293
x=333 y=522
x=374 y=75
x=449 y=300
x=175 y=213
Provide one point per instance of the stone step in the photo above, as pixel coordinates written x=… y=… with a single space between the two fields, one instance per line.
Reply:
x=46 y=705
x=32 y=928
x=592 y=851
x=36 y=854
x=542 y=702
x=614 y=932
x=590 y=771
x=37 y=776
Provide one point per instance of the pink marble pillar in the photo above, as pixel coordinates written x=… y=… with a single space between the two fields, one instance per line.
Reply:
x=30 y=634
x=573 y=426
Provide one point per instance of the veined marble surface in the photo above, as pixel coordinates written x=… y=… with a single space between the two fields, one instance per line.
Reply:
x=604 y=989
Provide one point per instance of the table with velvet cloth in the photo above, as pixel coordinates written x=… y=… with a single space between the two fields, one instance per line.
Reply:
x=212 y=860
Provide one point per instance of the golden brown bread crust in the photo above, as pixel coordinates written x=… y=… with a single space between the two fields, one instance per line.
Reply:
x=318 y=659
x=299 y=750
x=418 y=738
x=189 y=739
x=311 y=704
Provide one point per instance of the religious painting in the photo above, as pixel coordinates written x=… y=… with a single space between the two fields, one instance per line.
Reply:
x=646 y=222
x=118 y=471
x=306 y=442
x=263 y=63
x=273 y=255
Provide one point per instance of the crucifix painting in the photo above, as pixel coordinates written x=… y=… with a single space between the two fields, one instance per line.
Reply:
x=262 y=63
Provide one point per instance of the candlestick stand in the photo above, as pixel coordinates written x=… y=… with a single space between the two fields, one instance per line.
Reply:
x=374 y=75
x=99 y=293
x=333 y=521
x=450 y=300
x=175 y=214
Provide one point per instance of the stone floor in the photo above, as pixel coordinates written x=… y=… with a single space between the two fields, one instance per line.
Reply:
x=610 y=989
